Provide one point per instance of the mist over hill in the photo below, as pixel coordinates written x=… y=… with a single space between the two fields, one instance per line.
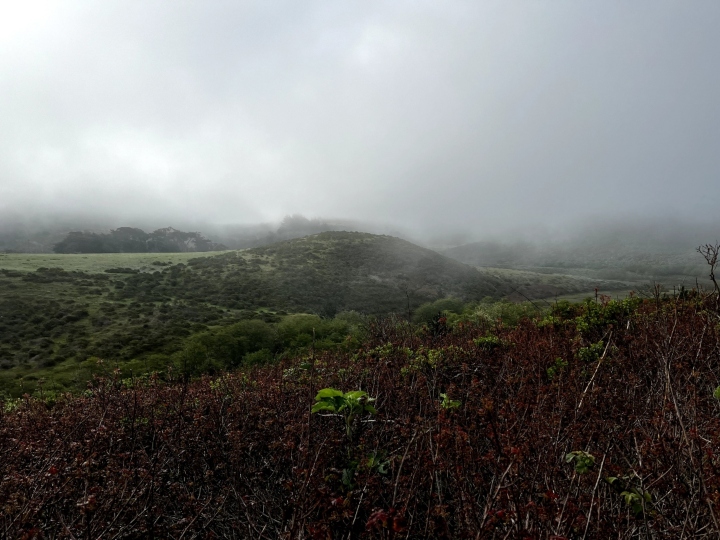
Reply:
x=242 y=236
x=480 y=216
x=629 y=250
x=78 y=234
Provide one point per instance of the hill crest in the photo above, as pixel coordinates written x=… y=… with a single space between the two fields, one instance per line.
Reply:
x=335 y=271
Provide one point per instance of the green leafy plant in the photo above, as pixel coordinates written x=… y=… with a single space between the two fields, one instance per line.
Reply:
x=448 y=403
x=592 y=352
x=488 y=343
x=636 y=498
x=348 y=404
x=11 y=404
x=716 y=393
x=377 y=462
x=556 y=368
x=581 y=460
x=424 y=359
x=348 y=475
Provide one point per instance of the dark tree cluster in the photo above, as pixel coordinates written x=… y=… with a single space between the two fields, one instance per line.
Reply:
x=132 y=240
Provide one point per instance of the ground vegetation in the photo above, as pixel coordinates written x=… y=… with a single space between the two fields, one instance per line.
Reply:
x=593 y=420
x=146 y=312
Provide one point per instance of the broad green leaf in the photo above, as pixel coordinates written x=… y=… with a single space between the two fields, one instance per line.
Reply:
x=340 y=405
x=323 y=406
x=328 y=393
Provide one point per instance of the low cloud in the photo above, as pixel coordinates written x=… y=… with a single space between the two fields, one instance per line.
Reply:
x=467 y=117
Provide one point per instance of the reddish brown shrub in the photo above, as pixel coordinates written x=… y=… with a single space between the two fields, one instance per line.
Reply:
x=241 y=456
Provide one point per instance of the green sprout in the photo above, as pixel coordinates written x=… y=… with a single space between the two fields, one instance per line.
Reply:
x=581 y=460
x=448 y=403
x=348 y=404
x=636 y=498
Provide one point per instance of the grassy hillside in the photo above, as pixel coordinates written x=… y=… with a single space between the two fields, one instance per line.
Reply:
x=95 y=262
x=337 y=271
x=59 y=313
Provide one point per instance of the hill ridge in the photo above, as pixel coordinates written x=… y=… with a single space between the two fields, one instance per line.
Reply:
x=338 y=271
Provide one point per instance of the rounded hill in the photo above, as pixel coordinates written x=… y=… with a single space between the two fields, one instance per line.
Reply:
x=336 y=271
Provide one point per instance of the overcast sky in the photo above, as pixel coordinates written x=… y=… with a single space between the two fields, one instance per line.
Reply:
x=452 y=115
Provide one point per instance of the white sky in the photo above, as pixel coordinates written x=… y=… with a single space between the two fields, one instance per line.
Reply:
x=436 y=116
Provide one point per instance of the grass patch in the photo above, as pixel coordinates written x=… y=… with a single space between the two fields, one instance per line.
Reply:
x=94 y=262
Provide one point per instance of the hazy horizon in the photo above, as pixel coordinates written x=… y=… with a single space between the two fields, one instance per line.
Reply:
x=487 y=119
x=642 y=235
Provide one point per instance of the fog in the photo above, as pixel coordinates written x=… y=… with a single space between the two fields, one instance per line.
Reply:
x=441 y=119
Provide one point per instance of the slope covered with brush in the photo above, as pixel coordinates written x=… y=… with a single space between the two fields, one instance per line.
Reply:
x=142 y=313
x=598 y=421
x=332 y=272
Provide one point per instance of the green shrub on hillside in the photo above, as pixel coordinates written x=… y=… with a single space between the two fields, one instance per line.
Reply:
x=255 y=341
x=426 y=312
x=509 y=313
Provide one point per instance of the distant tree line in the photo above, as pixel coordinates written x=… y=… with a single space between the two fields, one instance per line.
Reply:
x=132 y=240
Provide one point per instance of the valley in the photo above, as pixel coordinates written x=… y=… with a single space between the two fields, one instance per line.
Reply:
x=65 y=317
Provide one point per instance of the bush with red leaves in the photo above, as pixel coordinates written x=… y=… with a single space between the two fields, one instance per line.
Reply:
x=624 y=389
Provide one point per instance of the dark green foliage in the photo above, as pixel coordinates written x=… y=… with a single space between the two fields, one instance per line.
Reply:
x=592 y=352
x=487 y=343
x=54 y=322
x=556 y=368
x=503 y=311
x=596 y=317
x=582 y=461
x=131 y=240
x=255 y=341
x=122 y=271
x=428 y=311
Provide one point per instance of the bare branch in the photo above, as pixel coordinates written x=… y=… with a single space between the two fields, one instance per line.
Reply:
x=710 y=252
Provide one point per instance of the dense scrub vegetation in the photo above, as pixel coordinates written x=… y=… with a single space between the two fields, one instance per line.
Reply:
x=54 y=323
x=599 y=420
